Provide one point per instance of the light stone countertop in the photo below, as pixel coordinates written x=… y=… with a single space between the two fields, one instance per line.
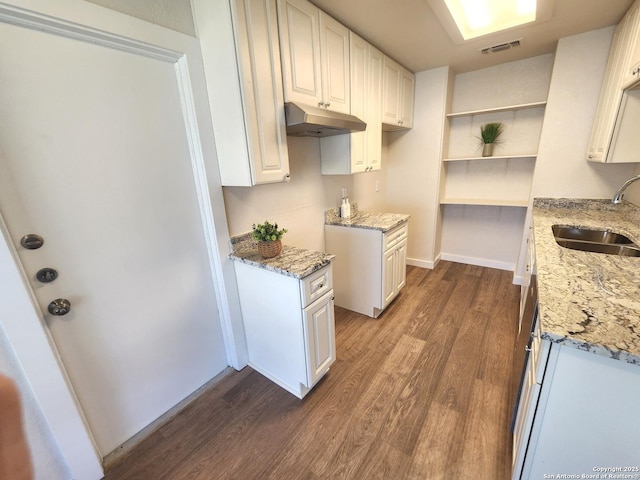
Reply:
x=590 y=301
x=293 y=261
x=370 y=220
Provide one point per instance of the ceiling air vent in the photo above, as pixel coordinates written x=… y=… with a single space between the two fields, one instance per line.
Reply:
x=502 y=46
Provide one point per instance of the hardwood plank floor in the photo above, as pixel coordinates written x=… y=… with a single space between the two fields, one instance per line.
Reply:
x=422 y=392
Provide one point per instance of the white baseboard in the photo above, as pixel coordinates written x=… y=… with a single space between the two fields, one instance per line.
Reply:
x=415 y=262
x=480 y=262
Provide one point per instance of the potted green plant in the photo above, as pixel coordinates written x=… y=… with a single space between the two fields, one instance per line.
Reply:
x=269 y=238
x=489 y=133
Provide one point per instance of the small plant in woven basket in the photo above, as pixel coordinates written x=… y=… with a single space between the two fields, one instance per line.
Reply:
x=269 y=238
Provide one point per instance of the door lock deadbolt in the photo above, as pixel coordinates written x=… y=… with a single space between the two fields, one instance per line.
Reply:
x=46 y=275
x=32 y=241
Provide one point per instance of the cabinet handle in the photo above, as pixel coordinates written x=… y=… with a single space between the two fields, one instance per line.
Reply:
x=327 y=105
x=528 y=349
x=320 y=285
x=320 y=104
x=287 y=177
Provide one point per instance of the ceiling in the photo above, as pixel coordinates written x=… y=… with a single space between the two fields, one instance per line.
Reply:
x=409 y=31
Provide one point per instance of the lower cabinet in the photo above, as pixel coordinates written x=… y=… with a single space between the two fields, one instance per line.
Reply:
x=289 y=325
x=394 y=267
x=370 y=266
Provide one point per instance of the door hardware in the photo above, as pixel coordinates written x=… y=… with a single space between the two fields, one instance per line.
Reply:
x=60 y=306
x=32 y=241
x=46 y=275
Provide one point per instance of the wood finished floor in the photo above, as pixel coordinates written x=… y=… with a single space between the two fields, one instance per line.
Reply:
x=423 y=392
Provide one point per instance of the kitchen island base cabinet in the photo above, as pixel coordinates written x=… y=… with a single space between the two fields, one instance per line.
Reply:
x=370 y=266
x=289 y=325
x=586 y=418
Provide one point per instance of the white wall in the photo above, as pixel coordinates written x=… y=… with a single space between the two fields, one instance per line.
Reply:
x=413 y=166
x=299 y=205
x=490 y=235
x=562 y=169
x=173 y=14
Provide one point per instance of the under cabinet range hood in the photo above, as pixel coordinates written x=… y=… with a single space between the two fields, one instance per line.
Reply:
x=307 y=121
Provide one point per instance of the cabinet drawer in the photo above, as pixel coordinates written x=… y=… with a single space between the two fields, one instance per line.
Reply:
x=316 y=285
x=391 y=238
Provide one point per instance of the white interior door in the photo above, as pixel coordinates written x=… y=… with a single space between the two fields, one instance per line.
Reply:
x=95 y=158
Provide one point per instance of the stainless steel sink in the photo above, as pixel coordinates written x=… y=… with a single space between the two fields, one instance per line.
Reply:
x=595 y=240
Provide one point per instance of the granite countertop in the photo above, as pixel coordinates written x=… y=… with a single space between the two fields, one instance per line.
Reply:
x=361 y=219
x=293 y=261
x=590 y=301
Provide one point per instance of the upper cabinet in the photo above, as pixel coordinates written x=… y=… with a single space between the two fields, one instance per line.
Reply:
x=259 y=54
x=397 y=96
x=623 y=59
x=359 y=151
x=241 y=55
x=315 y=56
x=632 y=72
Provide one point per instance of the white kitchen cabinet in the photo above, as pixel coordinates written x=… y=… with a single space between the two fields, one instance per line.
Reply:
x=394 y=271
x=398 y=96
x=370 y=266
x=315 y=56
x=528 y=269
x=618 y=73
x=241 y=55
x=535 y=368
x=632 y=70
x=374 y=112
x=289 y=325
x=359 y=151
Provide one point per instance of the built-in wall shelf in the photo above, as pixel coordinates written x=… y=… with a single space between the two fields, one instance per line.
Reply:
x=494 y=157
x=483 y=201
x=509 y=108
x=487 y=202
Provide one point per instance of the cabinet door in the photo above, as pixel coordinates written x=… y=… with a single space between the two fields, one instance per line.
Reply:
x=261 y=76
x=633 y=40
x=374 y=113
x=525 y=417
x=407 y=84
x=334 y=51
x=299 y=25
x=392 y=73
x=611 y=93
x=401 y=265
x=359 y=100
x=388 y=276
x=319 y=336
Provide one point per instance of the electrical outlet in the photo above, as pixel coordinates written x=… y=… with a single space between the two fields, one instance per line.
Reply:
x=377 y=185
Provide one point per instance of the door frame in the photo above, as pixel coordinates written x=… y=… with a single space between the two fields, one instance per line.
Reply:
x=25 y=326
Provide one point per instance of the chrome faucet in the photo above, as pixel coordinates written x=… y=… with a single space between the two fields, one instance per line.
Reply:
x=617 y=198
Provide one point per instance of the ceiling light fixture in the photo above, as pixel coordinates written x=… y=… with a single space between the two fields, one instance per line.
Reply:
x=475 y=18
x=467 y=20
